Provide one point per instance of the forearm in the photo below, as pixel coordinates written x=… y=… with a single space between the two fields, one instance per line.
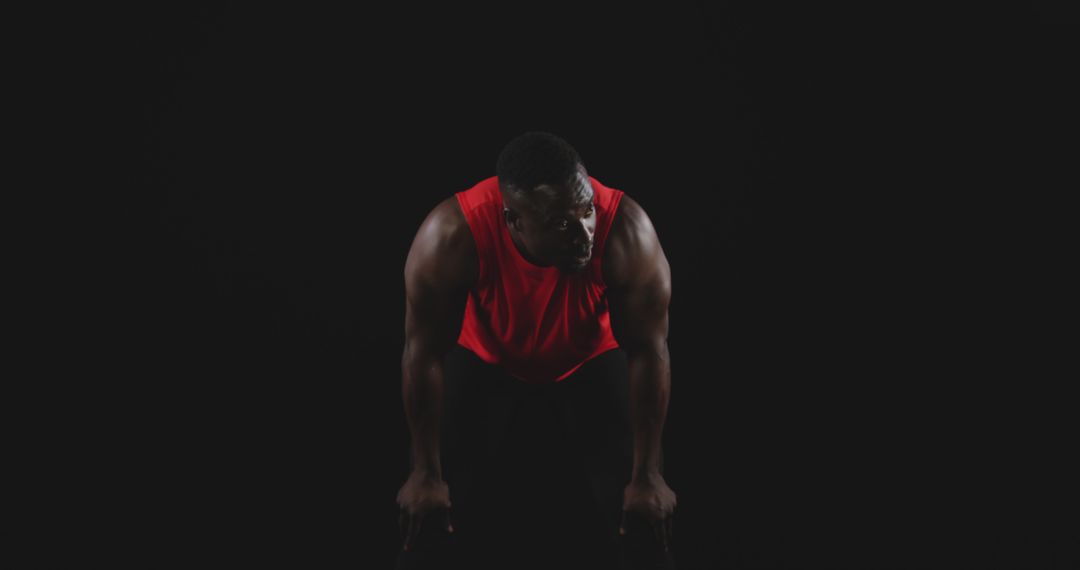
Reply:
x=650 y=387
x=422 y=392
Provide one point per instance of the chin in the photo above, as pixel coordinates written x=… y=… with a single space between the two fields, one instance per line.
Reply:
x=573 y=267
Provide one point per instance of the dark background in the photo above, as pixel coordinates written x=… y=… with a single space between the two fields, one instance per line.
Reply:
x=838 y=192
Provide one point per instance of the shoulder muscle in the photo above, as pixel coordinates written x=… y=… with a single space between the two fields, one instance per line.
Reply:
x=638 y=278
x=633 y=252
x=440 y=269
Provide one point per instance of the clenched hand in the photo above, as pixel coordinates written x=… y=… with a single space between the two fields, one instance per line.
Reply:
x=652 y=499
x=420 y=496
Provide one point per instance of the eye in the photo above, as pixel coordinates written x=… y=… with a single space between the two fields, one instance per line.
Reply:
x=563 y=224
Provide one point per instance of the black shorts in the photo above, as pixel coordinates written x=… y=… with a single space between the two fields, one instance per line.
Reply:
x=536 y=471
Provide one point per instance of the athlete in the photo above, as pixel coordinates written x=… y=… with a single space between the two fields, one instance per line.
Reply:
x=546 y=278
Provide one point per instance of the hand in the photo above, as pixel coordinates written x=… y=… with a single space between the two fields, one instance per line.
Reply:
x=651 y=498
x=420 y=496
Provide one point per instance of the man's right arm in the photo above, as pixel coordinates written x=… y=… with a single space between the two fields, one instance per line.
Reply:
x=440 y=269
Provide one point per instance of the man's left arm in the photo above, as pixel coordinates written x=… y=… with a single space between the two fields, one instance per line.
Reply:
x=639 y=291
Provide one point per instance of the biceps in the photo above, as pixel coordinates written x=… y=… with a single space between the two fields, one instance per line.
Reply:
x=433 y=320
x=639 y=316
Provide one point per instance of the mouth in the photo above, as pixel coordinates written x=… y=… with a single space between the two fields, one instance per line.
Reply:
x=581 y=256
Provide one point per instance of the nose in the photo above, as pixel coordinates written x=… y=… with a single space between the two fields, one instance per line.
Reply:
x=584 y=236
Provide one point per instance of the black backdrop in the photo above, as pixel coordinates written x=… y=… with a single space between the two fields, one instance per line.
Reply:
x=819 y=184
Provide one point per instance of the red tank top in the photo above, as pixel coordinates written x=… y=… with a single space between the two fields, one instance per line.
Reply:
x=537 y=323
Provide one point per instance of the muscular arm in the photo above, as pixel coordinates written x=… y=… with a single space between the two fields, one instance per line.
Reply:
x=639 y=289
x=440 y=269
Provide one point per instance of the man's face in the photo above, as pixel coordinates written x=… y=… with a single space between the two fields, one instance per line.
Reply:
x=556 y=225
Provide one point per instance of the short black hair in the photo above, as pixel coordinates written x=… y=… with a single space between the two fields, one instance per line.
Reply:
x=534 y=158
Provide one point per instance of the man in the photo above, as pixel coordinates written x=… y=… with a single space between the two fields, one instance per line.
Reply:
x=540 y=275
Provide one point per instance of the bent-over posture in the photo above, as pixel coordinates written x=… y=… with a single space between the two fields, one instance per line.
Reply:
x=536 y=323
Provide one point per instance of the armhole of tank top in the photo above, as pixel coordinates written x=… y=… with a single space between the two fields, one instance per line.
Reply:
x=481 y=266
x=615 y=201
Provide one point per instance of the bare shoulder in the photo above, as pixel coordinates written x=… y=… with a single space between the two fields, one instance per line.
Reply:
x=629 y=220
x=443 y=253
x=633 y=248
